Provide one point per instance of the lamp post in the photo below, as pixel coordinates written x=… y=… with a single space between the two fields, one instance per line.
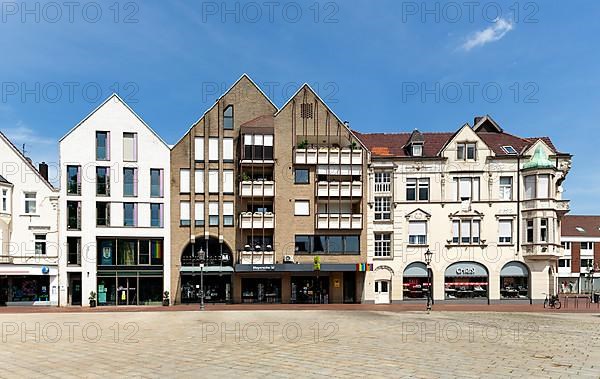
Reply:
x=591 y=272
x=428 y=256
x=201 y=258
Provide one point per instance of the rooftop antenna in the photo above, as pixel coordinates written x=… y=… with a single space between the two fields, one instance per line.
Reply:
x=24 y=151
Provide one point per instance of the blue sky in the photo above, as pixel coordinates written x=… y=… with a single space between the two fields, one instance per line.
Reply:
x=384 y=66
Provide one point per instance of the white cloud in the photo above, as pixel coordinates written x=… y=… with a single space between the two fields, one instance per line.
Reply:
x=22 y=134
x=490 y=34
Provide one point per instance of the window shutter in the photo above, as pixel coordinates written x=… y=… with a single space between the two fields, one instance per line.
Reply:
x=184 y=210
x=543 y=182
x=199 y=181
x=228 y=181
x=465 y=188
x=268 y=140
x=213 y=149
x=213 y=181
x=213 y=208
x=455 y=226
x=228 y=208
x=228 y=149
x=248 y=139
x=475 y=229
x=199 y=211
x=184 y=180
x=505 y=228
x=417 y=228
x=199 y=149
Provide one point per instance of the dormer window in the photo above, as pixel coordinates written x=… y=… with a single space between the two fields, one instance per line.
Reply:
x=465 y=151
x=509 y=150
x=417 y=150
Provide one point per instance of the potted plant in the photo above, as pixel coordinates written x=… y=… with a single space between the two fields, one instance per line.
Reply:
x=353 y=145
x=245 y=177
x=166 y=301
x=303 y=144
x=92 y=299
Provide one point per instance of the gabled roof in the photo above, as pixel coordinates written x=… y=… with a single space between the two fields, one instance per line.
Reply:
x=580 y=226
x=244 y=76
x=3 y=180
x=391 y=145
x=26 y=161
x=111 y=97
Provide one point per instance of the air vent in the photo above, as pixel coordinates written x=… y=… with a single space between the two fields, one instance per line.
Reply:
x=306 y=110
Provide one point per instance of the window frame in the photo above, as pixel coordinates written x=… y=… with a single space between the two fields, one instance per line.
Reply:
x=134 y=182
x=460 y=239
x=228 y=118
x=296 y=181
x=382 y=245
x=134 y=219
x=382 y=207
x=417 y=241
x=160 y=183
x=382 y=181
x=505 y=240
x=106 y=145
x=299 y=202
x=134 y=153
x=27 y=201
x=42 y=243
x=505 y=188
x=160 y=215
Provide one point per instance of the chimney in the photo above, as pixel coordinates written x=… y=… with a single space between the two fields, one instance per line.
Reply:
x=43 y=169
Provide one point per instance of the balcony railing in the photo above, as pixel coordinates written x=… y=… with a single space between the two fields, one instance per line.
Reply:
x=560 y=206
x=384 y=187
x=339 y=189
x=541 y=251
x=257 y=220
x=313 y=155
x=257 y=188
x=339 y=221
x=257 y=257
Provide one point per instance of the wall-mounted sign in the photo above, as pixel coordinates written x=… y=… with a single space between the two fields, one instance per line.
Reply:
x=264 y=268
x=336 y=283
x=45 y=270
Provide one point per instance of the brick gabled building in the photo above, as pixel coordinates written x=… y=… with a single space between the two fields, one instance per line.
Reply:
x=579 y=267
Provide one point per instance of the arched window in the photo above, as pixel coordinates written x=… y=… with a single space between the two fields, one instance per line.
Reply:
x=228 y=118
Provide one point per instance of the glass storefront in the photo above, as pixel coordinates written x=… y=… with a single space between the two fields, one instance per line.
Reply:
x=28 y=288
x=415 y=281
x=466 y=280
x=127 y=288
x=261 y=290
x=568 y=285
x=130 y=271
x=514 y=281
x=217 y=288
x=309 y=290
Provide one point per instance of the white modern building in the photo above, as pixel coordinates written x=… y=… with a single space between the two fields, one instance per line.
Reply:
x=115 y=200
x=28 y=231
x=486 y=203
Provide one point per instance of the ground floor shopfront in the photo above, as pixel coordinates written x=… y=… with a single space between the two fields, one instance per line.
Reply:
x=28 y=285
x=298 y=284
x=578 y=283
x=460 y=281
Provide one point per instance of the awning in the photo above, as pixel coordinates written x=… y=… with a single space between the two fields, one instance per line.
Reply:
x=206 y=269
x=416 y=270
x=515 y=269
x=290 y=267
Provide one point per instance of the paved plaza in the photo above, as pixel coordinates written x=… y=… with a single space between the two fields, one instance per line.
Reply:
x=308 y=343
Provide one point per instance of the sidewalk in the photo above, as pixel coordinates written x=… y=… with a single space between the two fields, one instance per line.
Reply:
x=413 y=307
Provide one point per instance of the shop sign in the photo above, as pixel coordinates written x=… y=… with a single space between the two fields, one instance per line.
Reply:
x=264 y=268
x=465 y=270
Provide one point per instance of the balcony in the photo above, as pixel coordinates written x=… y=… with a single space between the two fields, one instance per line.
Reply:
x=257 y=188
x=339 y=221
x=325 y=156
x=541 y=251
x=257 y=257
x=257 y=220
x=339 y=189
x=560 y=206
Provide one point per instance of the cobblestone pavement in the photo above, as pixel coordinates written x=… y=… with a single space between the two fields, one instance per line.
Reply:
x=310 y=343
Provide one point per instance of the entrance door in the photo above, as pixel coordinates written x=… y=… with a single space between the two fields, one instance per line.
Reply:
x=127 y=291
x=75 y=288
x=382 y=292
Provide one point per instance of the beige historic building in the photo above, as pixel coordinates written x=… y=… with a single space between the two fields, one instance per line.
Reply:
x=272 y=198
x=486 y=203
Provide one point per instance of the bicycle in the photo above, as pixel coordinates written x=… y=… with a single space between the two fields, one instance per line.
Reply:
x=552 y=302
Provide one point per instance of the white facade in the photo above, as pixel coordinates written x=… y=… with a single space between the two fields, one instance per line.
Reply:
x=128 y=206
x=29 y=248
x=473 y=216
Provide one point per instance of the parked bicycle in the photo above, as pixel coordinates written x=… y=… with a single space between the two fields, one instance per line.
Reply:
x=552 y=302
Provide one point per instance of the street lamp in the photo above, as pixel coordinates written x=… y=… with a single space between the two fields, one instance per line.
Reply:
x=201 y=256
x=591 y=272
x=428 y=256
